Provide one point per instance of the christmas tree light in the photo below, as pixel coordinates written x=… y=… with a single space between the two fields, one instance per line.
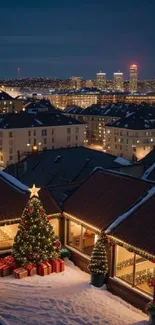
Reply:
x=35 y=240
x=99 y=260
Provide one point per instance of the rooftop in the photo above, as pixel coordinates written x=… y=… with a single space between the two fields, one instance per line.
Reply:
x=133 y=122
x=42 y=104
x=104 y=196
x=14 y=196
x=119 y=110
x=5 y=96
x=139 y=228
x=26 y=120
x=63 y=167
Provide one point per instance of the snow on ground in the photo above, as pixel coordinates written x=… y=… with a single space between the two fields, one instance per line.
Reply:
x=63 y=299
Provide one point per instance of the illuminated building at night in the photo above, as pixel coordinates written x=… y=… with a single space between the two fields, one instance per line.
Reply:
x=132 y=137
x=118 y=80
x=23 y=133
x=76 y=83
x=133 y=78
x=101 y=81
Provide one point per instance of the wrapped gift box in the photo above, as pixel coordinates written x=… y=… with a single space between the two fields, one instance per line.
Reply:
x=4 y=270
x=20 y=273
x=62 y=265
x=9 y=260
x=31 y=269
x=13 y=267
x=42 y=269
x=55 y=265
x=49 y=267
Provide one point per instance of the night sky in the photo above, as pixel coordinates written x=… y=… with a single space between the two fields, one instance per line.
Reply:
x=64 y=38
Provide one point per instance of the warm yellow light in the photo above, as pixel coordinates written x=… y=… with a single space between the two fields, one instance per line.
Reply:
x=81 y=222
x=34 y=191
x=119 y=241
x=35 y=148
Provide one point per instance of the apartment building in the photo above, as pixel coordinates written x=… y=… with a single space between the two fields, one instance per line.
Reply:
x=9 y=104
x=96 y=117
x=23 y=133
x=67 y=99
x=132 y=137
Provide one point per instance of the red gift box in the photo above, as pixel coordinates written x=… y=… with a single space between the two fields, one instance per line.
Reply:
x=49 y=267
x=42 y=269
x=9 y=260
x=20 y=273
x=55 y=265
x=13 y=267
x=62 y=265
x=4 y=270
x=31 y=269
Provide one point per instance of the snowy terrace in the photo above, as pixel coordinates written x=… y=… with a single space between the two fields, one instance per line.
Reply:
x=63 y=299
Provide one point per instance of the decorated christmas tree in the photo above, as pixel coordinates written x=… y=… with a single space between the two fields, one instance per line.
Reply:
x=35 y=240
x=99 y=261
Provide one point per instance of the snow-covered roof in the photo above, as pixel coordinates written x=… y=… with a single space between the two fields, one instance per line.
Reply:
x=13 y=181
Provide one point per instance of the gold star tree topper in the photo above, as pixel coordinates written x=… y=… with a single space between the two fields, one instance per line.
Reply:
x=34 y=191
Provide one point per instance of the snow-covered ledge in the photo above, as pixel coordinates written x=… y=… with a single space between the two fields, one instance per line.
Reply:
x=78 y=252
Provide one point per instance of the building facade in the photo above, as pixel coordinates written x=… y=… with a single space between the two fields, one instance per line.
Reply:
x=130 y=141
x=101 y=81
x=133 y=78
x=118 y=81
x=22 y=134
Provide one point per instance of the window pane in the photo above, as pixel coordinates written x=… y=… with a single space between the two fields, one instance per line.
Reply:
x=124 y=264
x=89 y=239
x=74 y=235
x=55 y=224
x=144 y=278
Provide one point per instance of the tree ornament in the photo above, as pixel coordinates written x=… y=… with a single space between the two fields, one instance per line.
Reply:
x=41 y=212
x=35 y=240
x=58 y=244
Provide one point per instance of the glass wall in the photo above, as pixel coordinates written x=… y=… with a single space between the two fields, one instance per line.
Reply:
x=134 y=270
x=81 y=238
x=7 y=234
x=124 y=264
x=55 y=224
x=144 y=274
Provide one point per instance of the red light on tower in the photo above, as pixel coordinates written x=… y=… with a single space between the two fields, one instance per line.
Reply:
x=133 y=66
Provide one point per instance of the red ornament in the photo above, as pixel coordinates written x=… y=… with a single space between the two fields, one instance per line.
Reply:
x=26 y=227
x=30 y=209
x=41 y=212
x=153 y=261
x=58 y=244
x=48 y=218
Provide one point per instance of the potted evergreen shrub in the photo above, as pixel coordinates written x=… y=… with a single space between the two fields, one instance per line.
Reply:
x=98 y=266
x=150 y=308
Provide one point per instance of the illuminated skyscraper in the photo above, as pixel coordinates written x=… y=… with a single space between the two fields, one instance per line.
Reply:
x=118 y=84
x=133 y=78
x=101 y=80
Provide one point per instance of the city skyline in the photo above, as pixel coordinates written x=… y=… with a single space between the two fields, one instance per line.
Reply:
x=65 y=39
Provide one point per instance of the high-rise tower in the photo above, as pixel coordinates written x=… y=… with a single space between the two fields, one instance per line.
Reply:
x=118 y=81
x=101 y=80
x=133 y=78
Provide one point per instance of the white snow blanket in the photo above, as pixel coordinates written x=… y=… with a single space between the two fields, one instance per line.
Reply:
x=63 y=299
